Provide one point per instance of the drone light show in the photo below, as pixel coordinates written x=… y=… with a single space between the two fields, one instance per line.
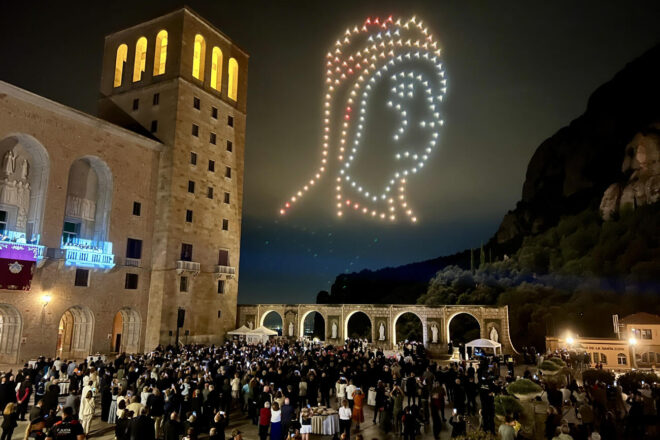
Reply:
x=400 y=60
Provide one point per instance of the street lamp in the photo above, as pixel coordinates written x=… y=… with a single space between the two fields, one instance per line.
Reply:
x=45 y=299
x=570 y=340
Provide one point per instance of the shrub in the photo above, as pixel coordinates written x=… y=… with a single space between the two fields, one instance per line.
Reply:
x=550 y=366
x=507 y=405
x=592 y=375
x=632 y=380
x=557 y=361
x=523 y=386
x=477 y=435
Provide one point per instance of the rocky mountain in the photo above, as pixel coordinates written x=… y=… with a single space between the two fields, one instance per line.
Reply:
x=606 y=158
x=572 y=169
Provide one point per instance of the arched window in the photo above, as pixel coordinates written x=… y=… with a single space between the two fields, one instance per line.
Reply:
x=216 y=69
x=122 y=52
x=198 y=57
x=621 y=359
x=161 y=53
x=232 y=85
x=140 y=59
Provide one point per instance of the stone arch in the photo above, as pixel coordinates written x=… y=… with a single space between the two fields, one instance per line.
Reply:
x=75 y=332
x=302 y=322
x=348 y=318
x=89 y=197
x=126 y=329
x=396 y=318
x=24 y=188
x=11 y=325
x=463 y=312
x=268 y=312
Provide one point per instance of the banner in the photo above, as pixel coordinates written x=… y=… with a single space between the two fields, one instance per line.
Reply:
x=16 y=274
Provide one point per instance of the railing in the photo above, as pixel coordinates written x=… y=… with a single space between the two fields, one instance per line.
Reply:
x=230 y=271
x=133 y=262
x=187 y=266
x=88 y=253
x=14 y=246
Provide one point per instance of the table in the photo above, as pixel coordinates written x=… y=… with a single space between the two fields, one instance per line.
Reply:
x=371 y=397
x=325 y=425
x=96 y=357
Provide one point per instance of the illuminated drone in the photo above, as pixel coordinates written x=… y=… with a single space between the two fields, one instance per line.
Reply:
x=380 y=50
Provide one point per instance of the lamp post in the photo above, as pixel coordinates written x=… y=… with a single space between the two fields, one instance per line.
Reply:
x=633 y=358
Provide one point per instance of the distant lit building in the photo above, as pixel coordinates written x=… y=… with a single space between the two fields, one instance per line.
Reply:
x=637 y=345
x=109 y=225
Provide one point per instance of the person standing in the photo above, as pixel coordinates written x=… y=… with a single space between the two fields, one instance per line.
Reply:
x=87 y=407
x=358 y=412
x=345 y=417
x=9 y=421
x=350 y=390
x=506 y=430
x=264 y=421
x=23 y=397
x=305 y=423
x=172 y=429
x=275 y=422
x=68 y=428
x=288 y=413
x=156 y=405
x=142 y=427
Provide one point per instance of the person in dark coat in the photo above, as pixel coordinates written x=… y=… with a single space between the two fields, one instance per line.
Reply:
x=172 y=429
x=457 y=421
x=9 y=421
x=122 y=431
x=23 y=397
x=51 y=398
x=142 y=427
x=37 y=410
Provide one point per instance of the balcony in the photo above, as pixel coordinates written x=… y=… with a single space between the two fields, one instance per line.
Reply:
x=133 y=262
x=226 y=272
x=14 y=246
x=80 y=252
x=190 y=267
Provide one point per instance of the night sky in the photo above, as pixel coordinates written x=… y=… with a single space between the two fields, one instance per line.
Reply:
x=517 y=72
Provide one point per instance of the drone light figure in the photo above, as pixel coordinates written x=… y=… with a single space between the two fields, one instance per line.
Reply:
x=361 y=59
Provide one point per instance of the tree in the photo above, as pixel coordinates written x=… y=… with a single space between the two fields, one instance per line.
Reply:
x=482 y=261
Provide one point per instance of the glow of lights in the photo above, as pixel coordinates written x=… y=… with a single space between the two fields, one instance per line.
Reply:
x=359 y=60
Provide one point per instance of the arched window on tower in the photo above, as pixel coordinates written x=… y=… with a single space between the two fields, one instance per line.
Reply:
x=140 y=59
x=199 y=50
x=122 y=52
x=232 y=85
x=161 y=53
x=216 y=69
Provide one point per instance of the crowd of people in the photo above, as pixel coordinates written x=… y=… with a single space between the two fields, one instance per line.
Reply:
x=196 y=390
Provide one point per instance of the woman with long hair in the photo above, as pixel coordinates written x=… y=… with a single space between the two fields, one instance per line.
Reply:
x=275 y=422
x=87 y=407
x=9 y=422
x=305 y=423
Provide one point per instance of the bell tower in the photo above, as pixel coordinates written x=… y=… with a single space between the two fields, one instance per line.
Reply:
x=180 y=80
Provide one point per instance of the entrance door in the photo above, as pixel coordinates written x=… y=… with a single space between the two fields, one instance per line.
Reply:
x=118 y=342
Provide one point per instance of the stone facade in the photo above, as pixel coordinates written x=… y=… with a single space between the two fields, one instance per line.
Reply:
x=488 y=317
x=68 y=177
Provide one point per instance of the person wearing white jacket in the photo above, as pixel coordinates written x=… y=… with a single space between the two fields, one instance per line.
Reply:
x=87 y=407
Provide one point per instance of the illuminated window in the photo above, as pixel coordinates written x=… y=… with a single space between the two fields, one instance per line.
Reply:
x=232 y=85
x=161 y=53
x=140 y=59
x=647 y=334
x=216 y=69
x=603 y=358
x=122 y=52
x=198 y=57
x=621 y=359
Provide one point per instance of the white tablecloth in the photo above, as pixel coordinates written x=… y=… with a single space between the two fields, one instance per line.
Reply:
x=371 y=397
x=94 y=358
x=325 y=425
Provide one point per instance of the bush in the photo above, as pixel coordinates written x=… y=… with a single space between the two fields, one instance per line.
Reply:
x=558 y=361
x=632 y=380
x=548 y=365
x=477 y=435
x=523 y=386
x=592 y=375
x=507 y=405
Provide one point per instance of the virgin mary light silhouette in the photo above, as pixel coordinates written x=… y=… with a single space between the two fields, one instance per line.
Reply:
x=403 y=56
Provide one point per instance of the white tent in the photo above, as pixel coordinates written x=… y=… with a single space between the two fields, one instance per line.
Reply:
x=261 y=334
x=483 y=343
x=241 y=331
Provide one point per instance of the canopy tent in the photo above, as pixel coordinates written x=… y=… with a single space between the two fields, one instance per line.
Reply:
x=241 y=331
x=483 y=343
x=261 y=334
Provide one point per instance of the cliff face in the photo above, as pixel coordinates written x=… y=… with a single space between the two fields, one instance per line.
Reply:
x=571 y=170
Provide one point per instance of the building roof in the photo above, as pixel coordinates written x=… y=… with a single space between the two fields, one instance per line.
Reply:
x=640 y=318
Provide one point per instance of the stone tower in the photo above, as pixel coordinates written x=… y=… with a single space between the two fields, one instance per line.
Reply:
x=180 y=80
